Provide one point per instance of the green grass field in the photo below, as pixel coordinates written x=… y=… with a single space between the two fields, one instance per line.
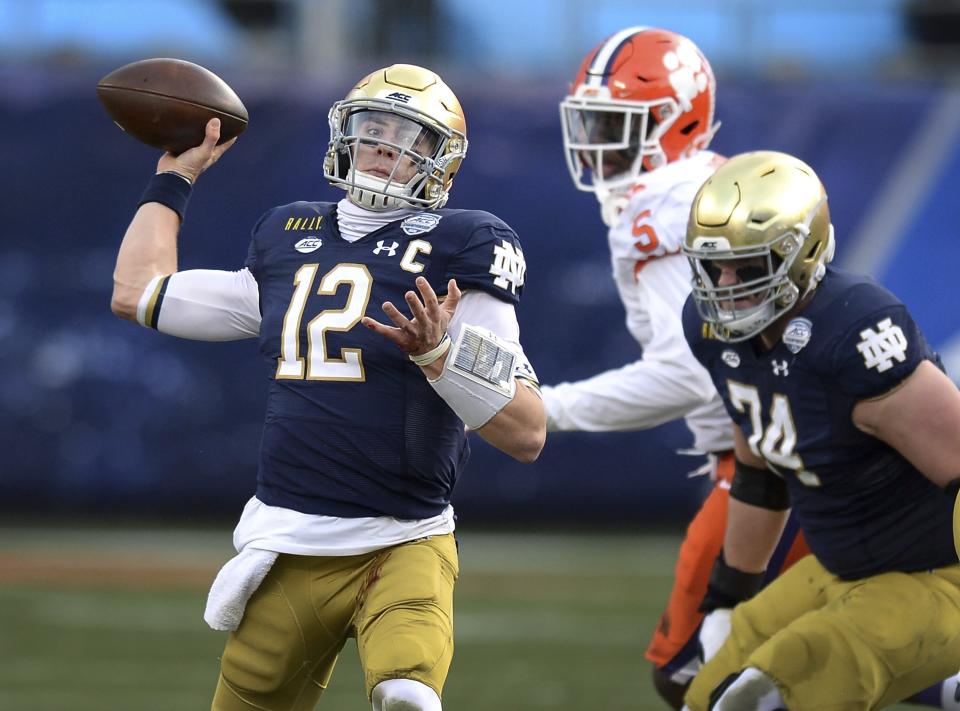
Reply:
x=97 y=620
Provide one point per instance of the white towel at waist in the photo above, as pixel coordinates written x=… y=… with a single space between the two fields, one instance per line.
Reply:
x=237 y=580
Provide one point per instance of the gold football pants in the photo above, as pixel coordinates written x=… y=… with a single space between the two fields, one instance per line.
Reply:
x=397 y=603
x=836 y=645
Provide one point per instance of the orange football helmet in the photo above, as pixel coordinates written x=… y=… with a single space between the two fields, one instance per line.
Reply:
x=643 y=98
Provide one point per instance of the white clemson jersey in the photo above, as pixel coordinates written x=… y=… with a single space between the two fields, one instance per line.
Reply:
x=653 y=280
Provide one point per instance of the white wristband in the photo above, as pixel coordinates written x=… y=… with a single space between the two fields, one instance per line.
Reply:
x=478 y=378
x=434 y=354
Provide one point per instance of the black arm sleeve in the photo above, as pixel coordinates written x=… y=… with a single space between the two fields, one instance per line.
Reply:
x=759 y=487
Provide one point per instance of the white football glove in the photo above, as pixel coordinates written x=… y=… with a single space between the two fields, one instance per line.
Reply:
x=714 y=631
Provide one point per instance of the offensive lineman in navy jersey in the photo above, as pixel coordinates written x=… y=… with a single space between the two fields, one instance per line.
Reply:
x=350 y=532
x=843 y=413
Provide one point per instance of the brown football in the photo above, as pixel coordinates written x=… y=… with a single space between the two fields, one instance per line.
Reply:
x=166 y=103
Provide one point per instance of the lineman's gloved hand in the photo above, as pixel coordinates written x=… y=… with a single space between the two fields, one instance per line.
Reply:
x=714 y=631
x=726 y=588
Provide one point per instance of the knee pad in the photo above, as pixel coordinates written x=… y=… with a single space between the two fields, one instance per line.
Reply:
x=749 y=690
x=404 y=695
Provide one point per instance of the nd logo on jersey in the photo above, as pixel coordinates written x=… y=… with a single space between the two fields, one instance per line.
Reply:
x=881 y=347
x=509 y=266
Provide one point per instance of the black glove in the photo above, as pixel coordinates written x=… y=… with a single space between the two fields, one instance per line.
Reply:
x=729 y=586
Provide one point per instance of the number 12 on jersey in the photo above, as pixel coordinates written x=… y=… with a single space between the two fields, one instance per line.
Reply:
x=318 y=363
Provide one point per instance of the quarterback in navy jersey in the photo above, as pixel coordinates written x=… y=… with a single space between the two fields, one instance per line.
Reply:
x=843 y=414
x=350 y=532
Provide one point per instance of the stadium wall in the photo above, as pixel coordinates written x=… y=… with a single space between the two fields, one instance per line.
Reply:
x=100 y=418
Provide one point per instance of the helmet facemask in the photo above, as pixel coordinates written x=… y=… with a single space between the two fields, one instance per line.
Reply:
x=769 y=280
x=388 y=156
x=763 y=282
x=610 y=143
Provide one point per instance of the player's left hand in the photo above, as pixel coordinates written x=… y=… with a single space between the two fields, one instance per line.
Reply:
x=430 y=318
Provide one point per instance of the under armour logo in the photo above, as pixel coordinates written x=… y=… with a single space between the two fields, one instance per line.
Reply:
x=881 y=347
x=390 y=249
x=509 y=266
x=780 y=367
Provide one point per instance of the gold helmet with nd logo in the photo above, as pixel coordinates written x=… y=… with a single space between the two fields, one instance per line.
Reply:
x=763 y=215
x=396 y=140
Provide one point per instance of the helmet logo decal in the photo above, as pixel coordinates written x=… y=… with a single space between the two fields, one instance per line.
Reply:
x=420 y=224
x=687 y=75
x=711 y=244
x=398 y=96
x=797 y=334
x=308 y=244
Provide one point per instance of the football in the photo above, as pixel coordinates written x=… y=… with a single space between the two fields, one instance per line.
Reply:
x=166 y=103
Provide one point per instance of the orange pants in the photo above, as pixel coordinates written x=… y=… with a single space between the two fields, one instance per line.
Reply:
x=673 y=647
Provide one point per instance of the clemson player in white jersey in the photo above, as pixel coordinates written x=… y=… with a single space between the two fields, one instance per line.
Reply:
x=637 y=123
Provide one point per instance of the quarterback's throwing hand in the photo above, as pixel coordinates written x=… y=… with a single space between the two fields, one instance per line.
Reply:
x=193 y=162
x=430 y=318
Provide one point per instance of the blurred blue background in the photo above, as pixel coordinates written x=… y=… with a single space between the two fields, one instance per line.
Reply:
x=101 y=419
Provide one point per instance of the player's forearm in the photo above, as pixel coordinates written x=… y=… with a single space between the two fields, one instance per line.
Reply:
x=149 y=248
x=752 y=535
x=519 y=429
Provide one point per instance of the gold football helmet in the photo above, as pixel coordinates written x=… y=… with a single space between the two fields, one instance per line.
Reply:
x=396 y=140
x=768 y=211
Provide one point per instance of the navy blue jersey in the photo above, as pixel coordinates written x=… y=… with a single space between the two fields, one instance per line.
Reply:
x=864 y=508
x=352 y=427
